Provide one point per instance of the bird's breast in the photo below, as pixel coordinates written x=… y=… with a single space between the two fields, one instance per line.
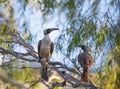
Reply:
x=85 y=59
x=45 y=49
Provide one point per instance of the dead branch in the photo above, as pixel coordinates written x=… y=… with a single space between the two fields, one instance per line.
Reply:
x=16 y=54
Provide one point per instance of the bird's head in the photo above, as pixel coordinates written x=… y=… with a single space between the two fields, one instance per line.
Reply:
x=84 y=47
x=49 y=30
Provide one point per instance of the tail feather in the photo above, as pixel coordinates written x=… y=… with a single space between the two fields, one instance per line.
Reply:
x=44 y=71
x=85 y=76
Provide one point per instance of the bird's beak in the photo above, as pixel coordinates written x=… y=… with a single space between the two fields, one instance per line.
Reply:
x=52 y=29
x=55 y=28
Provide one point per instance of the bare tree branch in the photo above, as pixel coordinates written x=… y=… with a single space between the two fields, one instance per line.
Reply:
x=16 y=54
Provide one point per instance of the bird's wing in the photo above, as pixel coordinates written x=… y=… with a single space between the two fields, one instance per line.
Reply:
x=39 y=44
x=82 y=60
x=52 y=47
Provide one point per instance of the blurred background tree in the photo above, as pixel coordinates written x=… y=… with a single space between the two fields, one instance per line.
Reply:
x=95 y=23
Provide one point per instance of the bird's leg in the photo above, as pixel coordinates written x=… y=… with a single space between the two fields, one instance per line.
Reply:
x=44 y=62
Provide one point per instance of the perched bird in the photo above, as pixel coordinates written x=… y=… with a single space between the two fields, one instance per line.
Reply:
x=86 y=61
x=45 y=50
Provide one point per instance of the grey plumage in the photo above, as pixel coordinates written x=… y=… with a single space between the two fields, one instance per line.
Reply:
x=45 y=50
x=45 y=47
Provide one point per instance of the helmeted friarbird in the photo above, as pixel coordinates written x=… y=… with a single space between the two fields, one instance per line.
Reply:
x=86 y=61
x=45 y=50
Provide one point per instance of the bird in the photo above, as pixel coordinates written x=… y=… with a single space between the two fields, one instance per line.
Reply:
x=45 y=50
x=86 y=61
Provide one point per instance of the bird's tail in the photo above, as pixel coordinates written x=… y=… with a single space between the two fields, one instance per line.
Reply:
x=85 y=76
x=44 y=71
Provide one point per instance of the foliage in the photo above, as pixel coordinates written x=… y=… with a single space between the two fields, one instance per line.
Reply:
x=90 y=22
